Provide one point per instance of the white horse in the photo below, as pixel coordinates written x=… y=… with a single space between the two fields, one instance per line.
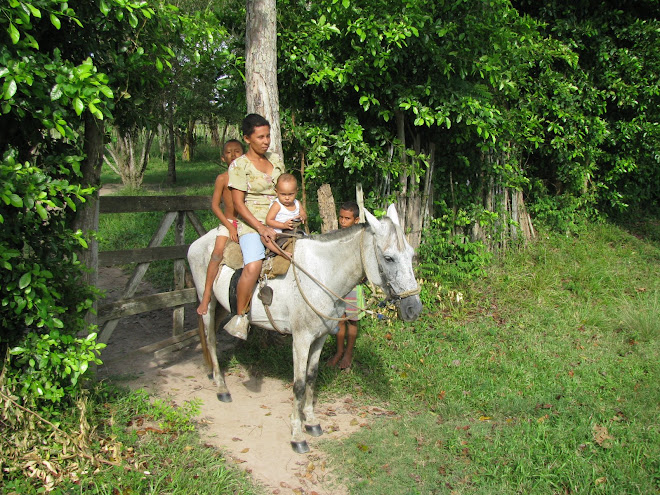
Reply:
x=307 y=299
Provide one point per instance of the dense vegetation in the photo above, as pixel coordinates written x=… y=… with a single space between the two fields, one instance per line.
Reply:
x=470 y=114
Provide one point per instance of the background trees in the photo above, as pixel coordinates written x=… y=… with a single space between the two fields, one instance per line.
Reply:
x=465 y=110
x=469 y=114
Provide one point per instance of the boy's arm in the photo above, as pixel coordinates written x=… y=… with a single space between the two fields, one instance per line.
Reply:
x=220 y=185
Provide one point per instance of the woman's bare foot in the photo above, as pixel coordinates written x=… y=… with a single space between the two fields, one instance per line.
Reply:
x=332 y=362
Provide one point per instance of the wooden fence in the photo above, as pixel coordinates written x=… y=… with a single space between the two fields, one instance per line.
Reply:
x=176 y=210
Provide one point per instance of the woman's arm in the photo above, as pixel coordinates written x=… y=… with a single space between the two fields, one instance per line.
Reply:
x=238 y=197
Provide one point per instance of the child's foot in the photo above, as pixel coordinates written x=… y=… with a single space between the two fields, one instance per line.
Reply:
x=332 y=362
x=346 y=362
x=203 y=307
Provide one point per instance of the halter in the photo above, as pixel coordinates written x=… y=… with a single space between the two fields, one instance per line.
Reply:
x=391 y=296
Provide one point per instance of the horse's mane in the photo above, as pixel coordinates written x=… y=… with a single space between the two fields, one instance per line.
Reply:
x=342 y=233
x=338 y=234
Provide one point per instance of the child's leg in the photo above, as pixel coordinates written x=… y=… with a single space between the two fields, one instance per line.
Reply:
x=351 y=337
x=211 y=273
x=341 y=335
x=274 y=247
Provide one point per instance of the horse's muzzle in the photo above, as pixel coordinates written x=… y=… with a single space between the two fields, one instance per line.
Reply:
x=410 y=308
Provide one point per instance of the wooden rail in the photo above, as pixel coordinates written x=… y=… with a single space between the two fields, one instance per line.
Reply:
x=176 y=209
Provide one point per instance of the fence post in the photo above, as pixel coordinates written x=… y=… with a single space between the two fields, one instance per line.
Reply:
x=179 y=272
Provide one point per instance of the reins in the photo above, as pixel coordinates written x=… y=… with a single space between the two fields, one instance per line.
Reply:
x=295 y=266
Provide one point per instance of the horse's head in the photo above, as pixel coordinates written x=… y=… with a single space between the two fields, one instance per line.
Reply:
x=393 y=270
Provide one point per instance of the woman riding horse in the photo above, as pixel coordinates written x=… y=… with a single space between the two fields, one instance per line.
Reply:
x=252 y=179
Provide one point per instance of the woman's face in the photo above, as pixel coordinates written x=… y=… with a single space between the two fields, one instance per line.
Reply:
x=259 y=140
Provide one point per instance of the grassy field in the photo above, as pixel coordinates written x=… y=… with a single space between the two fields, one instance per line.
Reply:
x=544 y=379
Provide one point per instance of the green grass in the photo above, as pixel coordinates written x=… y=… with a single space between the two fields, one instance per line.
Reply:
x=153 y=444
x=203 y=169
x=546 y=379
x=508 y=393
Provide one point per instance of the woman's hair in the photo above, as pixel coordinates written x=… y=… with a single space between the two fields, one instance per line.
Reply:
x=251 y=121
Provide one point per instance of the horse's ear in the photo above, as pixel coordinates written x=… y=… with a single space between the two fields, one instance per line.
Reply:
x=391 y=212
x=372 y=221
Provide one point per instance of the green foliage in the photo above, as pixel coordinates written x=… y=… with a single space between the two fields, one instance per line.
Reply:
x=47 y=368
x=450 y=257
x=39 y=268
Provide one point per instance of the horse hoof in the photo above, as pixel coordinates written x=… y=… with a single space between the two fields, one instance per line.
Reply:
x=314 y=430
x=300 y=447
x=224 y=397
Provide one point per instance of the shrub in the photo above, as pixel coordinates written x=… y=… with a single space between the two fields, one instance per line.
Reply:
x=448 y=256
x=47 y=368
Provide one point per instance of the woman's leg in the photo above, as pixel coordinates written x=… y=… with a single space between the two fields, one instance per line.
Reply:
x=246 y=285
x=253 y=254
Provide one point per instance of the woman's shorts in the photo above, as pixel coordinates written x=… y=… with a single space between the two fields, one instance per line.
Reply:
x=252 y=247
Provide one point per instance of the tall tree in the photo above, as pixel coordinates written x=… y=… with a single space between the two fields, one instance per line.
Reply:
x=261 y=88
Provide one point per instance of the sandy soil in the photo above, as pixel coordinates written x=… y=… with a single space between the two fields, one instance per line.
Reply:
x=254 y=429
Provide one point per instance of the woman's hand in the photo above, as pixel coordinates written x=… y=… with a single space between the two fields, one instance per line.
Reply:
x=267 y=233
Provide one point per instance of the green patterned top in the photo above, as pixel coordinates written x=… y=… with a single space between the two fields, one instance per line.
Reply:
x=259 y=187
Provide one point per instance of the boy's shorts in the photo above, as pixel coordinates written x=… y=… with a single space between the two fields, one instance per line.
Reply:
x=355 y=298
x=252 y=247
x=224 y=232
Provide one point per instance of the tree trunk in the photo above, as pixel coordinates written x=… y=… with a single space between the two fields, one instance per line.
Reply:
x=215 y=135
x=130 y=154
x=327 y=209
x=171 y=156
x=402 y=196
x=87 y=214
x=261 y=66
x=189 y=143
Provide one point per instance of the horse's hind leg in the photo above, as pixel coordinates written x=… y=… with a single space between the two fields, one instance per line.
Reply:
x=301 y=348
x=218 y=379
x=312 y=425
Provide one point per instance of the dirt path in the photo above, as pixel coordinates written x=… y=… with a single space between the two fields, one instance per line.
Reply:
x=254 y=429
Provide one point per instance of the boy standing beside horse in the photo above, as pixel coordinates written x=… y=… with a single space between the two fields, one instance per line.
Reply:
x=349 y=215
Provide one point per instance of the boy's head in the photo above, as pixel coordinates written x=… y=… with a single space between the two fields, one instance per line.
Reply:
x=286 y=189
x=349 y=214
x=231 y=150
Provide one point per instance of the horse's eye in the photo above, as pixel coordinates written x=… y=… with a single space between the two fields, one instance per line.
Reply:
x=389 y=259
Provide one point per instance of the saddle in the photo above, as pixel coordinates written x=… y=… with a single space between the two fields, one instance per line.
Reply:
x=274 y=264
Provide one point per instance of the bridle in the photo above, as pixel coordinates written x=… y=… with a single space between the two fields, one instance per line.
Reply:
x=391 y=296
x=390 y=292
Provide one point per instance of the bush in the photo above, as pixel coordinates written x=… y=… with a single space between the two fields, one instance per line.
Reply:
x=47 y=368
x=448 y=256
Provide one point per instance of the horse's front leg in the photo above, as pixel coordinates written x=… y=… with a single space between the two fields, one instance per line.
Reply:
x=312 y=425
x=301 y=348
x=209 y=320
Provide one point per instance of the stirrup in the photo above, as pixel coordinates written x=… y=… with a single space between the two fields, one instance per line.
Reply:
x=238 y=326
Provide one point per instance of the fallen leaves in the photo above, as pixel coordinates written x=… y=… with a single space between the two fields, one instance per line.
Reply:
x=602 y=437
